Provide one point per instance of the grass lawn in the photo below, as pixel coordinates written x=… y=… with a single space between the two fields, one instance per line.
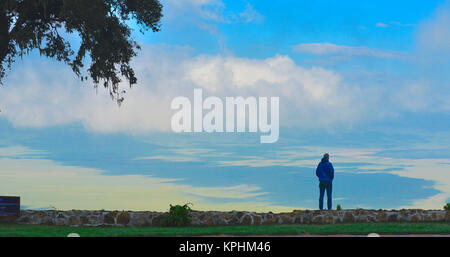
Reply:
x=381 y=228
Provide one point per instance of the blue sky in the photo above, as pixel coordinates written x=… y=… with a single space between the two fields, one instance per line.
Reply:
x=366 y=81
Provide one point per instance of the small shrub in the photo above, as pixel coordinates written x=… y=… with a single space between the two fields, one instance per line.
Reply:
x=339 y=207
x=178 y=215
x=447 y=207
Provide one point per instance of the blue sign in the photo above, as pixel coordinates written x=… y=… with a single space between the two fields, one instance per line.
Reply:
x=9 y=206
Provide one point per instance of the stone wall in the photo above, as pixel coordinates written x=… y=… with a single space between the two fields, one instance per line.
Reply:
x=215 y=218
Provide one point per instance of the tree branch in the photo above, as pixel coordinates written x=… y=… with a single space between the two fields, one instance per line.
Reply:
x=4 y=36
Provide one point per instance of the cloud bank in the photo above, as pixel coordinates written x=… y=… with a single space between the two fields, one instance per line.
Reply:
x=43 y=182
x=43 y=93
x=359 y=51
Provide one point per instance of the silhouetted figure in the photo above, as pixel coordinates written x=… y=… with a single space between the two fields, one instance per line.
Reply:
x=325 y=173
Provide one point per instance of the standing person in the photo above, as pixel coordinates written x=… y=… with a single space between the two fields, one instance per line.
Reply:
x=325 y=173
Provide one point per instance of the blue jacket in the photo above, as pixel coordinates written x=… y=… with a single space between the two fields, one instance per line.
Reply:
x=325 y=170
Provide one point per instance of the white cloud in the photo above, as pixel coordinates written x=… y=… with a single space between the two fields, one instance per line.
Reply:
x=435 y=170
x=433 y=55
x=414 y=97
x=399 y=24
x=306 y=95
x=420 y=169
x=34 y=96
x=19 y=152
x=251 y=15
x=168 y=158
x=42 y=182
x=200 y=11
x=434 y=34
x=392 y=24
x=382 y=25
x=38 y=97
x=356 y=51
x=206 y=9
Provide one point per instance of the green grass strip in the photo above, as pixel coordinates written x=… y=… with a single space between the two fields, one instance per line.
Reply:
x=20 y=230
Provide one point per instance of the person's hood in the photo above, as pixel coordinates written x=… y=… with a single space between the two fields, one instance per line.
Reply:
x=324 y=159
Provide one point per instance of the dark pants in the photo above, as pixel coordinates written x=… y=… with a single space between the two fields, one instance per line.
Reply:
x=325 y=185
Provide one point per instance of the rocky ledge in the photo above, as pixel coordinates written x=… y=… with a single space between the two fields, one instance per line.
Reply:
x=216 y=218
